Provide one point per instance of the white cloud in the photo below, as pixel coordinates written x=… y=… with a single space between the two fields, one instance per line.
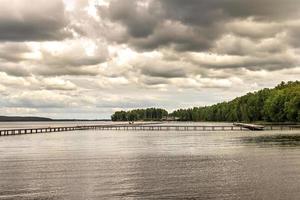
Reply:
x=88 y=58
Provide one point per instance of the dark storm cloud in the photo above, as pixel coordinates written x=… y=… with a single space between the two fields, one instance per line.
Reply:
x=177 y=36
x=207 y=12
x=34 y=20
x=148 y=27
x=195 y=25
x=140 y=22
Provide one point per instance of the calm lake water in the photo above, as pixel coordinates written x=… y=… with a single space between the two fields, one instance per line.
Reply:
x=151 y=165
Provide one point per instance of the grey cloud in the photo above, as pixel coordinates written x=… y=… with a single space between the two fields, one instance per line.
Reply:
x=271 y=63
x=293 y=35
x=152 y=47
x=32 y=103
x=207 y=12
x=72 y=60
x=234 y=45
x=174 y=35
x=11 y=55
x=139 y=21
x=62 y=71
x=41 y=20
x=195 y=25
x=13 y=52
x=163 y=72
x=154 y=80
x=14 y=69
x=161 y=69
x=254 y=30
x=43 y=99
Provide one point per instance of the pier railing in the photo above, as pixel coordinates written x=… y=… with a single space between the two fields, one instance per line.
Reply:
x=140 y=127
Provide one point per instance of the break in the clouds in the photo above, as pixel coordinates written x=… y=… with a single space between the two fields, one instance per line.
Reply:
x=88 y=58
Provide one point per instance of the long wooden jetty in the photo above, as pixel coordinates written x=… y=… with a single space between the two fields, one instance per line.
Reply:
x=140 y=127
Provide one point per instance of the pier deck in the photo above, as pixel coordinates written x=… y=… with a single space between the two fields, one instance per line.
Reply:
x=252 y=127
x=141 y=127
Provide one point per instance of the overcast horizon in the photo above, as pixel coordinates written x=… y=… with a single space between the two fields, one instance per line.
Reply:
x=89 y=58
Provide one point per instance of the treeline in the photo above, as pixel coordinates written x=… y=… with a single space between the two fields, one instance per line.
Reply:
x=280 y=104
x=22 y=119
x=149 y=114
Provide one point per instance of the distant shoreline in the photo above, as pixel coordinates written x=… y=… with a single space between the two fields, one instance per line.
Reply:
x=42 y=119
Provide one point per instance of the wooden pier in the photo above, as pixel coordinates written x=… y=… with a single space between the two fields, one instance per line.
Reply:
x=124 y=127
x=171 y=128
x=252 y=127
x=139 y=127
x=38 y=130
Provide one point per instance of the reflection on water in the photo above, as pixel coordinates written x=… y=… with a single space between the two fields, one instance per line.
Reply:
x=150 y=165
x=274 y=140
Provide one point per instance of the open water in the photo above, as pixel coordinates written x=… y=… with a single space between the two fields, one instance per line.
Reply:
x=97 y=164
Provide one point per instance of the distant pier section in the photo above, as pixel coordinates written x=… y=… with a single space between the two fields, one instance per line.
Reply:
x=252 y=127
x=146 y=127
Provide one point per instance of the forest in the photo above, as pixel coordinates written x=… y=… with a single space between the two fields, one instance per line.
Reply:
x=279 y=104
x=149 y=114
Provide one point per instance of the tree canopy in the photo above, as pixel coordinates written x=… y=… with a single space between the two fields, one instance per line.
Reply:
x=149 y=114
x=280 y=104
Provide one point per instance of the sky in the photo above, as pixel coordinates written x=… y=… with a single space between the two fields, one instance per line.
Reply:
x=90 y=58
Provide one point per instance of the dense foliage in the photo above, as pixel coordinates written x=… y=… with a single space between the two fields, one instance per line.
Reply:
x=149 y=114
x=280 y=104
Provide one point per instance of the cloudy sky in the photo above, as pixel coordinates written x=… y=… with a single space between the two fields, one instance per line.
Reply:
x=88 y=58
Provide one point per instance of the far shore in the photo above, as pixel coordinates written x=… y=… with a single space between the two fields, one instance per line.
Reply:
x=42 y=119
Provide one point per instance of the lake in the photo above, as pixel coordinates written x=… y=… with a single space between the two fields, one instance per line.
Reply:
x=93 y=164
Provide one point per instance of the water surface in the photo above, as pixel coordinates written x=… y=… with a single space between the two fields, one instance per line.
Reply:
x=151 y=165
